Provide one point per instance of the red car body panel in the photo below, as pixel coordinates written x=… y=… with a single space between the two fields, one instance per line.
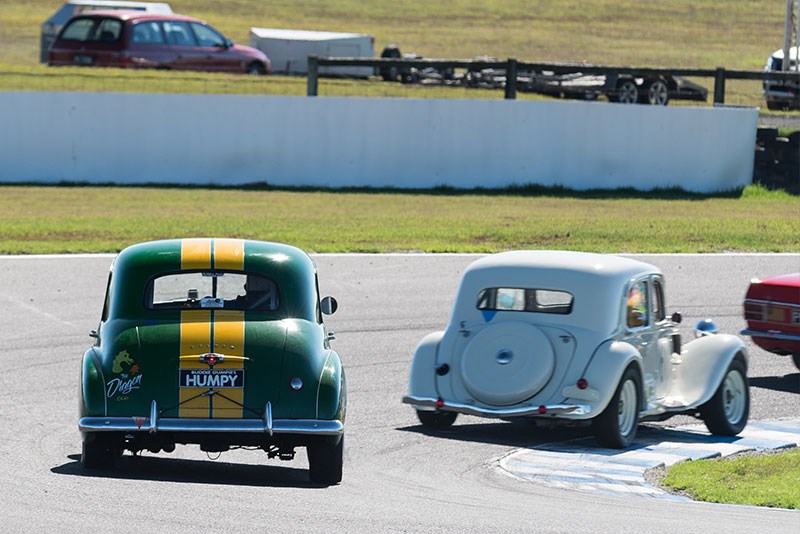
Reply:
x=128 y=50
x=772 y=312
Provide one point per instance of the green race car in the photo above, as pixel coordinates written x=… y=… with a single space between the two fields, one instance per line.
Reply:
x=215 y=342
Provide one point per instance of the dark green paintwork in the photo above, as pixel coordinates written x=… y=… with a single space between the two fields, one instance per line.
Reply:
x=290 y=342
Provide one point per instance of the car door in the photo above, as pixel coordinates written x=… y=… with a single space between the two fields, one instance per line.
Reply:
x=648 y=330
x=181 y=39
x=213 y=50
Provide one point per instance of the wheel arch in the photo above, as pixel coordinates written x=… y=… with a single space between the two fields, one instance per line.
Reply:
x=704 y=363
x=609 y=362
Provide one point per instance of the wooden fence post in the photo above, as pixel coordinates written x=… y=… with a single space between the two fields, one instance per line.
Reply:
x=313 y=76
x=511 y=79
x=719 y=86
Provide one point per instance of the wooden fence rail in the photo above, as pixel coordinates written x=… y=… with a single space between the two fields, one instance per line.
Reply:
x=512 y=67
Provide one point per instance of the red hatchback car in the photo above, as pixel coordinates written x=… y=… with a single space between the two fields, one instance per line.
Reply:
x=133 y=39
x=772 y=312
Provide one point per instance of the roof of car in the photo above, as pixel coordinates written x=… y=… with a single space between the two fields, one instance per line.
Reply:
x=134 y=15
x=600 y=265
x=291 y=268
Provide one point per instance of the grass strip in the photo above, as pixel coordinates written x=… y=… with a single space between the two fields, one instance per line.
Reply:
x=759 y=480
x=72 y=219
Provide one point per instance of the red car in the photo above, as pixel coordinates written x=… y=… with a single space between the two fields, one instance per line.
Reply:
x=135 y=39
x=772 y=312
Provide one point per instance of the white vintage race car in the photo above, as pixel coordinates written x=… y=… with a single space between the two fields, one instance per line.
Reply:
x=576 y=336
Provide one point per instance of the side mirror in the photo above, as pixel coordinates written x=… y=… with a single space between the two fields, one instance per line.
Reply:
x=676 y=317
x=328 y=305
x=228 y=43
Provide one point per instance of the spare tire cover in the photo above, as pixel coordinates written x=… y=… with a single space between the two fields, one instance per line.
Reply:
x=506 y=363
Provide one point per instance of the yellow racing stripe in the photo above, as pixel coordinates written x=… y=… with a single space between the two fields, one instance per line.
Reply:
x=229 y=340
x=229 y=254
x=196 y=253
x=195 y=340
x=199 y=327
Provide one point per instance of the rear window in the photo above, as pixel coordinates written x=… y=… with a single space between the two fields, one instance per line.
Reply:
x=217 y=290
x=525 y=299
x=93 y=30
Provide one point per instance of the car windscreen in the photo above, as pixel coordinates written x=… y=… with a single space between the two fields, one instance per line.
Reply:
x=525 y=300
x=212 y=290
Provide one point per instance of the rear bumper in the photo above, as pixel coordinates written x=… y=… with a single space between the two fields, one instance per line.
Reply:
x=265 y=425
x=771 y=334
x=568 y=411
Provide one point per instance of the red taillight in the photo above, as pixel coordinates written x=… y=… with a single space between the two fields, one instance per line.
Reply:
x=542 y=409
x=582 y=383
x=439 y=403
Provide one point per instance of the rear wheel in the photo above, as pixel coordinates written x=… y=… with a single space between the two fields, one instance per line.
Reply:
x=627 y=92
x=796 y=359
x=437 y=420
x=616 y=426
x=325 y=461
x=97 y=452
x=725 y=414
x=655 y=93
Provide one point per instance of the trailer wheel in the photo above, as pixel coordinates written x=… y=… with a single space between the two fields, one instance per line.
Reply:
x=627 y=92
x=655 y=93
x=390 y=74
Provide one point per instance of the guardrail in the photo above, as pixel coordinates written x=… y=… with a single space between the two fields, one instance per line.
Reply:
x=512 y=67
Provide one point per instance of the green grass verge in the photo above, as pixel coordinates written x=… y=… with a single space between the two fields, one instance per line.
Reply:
x=68 y=219
x=771 y=480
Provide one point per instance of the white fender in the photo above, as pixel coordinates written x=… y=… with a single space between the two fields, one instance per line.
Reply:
x=605 y=370
x=703 y=364
x=422 y=382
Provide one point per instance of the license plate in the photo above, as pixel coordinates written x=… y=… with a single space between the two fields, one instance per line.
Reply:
x=211 y=378
x=82 y=60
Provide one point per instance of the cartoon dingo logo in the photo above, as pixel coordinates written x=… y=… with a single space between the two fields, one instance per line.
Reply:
x=122 y=357
x=127 y=381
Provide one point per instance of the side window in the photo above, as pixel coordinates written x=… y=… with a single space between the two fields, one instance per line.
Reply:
x=179 y=33
x=207 y=36
x=658 y=301
x=108 y=31
x=78 y=30
x=107 y=302
x=148 y=33
x=636 y=305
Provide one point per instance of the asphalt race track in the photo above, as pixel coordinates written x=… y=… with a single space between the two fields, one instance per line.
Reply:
x=398 y=478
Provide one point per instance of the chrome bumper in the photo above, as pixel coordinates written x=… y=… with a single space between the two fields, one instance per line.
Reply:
x=770 y=334
x=266 y=425
x=568 y=410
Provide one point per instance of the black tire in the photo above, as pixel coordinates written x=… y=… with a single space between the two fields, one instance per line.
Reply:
x=256 y=69
x=725 y=414
x=436 y=420
x=390 y=74
x=97 y=452
x=325 y=461
x=655 y=93
x=774 y=106
x=627 y=92
x=796 y=359
x=615 y=427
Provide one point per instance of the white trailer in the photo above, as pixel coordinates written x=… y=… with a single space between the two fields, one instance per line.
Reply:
x=289 y=49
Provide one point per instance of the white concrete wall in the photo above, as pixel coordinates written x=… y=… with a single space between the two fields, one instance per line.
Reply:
x=377 y=142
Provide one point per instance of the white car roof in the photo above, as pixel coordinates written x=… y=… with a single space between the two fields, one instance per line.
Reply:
x=596 y=281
